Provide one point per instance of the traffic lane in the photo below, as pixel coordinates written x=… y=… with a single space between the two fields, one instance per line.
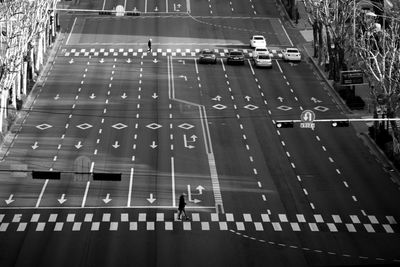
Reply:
x=177 y=30
x=266 y=8
x=311 y=92
x=112 y=4
x=107 y=248
x=191 y=144
x=19 y=190
x=155 y=6
x=375 y=191
x=321 y=179
x=281 y=104
x=238 y=175
x=69 y=191
x=254 y=113
x=240 y=8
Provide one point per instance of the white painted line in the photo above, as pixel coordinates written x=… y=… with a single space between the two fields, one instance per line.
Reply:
x=264 y=198
x=173 y=181
x=251 y=67
x=291 y=43
x=259 y=184
x=86 y=192
x=279 y=66
x=130 y=188
x=69 y=36
x=41 y=193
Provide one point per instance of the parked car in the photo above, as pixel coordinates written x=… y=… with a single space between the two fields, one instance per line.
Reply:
x=207 y=56
x=291 y=54
x=263 y=61
x=258 y=41
x=260 y=51
x=235 y=57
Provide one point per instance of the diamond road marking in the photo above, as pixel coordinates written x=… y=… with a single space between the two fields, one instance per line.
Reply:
x=84 y=126
x=119 y=126
x=44 y=126
x=219 y=106
x=321 y=108
x=251 y=107
x=153 y=126
x=186 y=126
x=284 y=108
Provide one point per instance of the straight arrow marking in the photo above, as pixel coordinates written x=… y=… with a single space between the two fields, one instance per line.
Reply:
x=151 y=199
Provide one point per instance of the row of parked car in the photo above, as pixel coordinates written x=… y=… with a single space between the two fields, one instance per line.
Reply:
x=261 y=54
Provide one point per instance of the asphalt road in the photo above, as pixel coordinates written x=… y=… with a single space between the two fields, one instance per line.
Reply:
x=166 y=125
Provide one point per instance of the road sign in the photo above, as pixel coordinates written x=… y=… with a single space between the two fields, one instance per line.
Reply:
x=307 y=118
x=351 y=77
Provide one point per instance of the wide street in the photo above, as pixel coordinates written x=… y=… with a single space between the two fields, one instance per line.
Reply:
x=129 y=130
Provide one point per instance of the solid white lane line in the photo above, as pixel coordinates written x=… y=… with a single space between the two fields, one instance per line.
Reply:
x=173 y=181
x=41 y=193
x=130 y=188
x=69 y=36
x=284 y=30
x=86 y=192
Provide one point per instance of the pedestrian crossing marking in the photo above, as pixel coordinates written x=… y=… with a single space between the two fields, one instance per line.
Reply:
x=369 y=228
x=77 y=226
x=300 y=218
x=313 y=227
x=95 y=226
x=106 y=217
x=40 y=226
x=53 y=217
x=295 y=227
x=70 y=217
x=187 y=226
x=3 y=227
x=373 y=219
x=133 y=226
x=222 y=52
x=88 y=217
x=283 y=217
x=205 y=221
x=247 y=217
x=21 y=227
x=258 y=226
x=350 y=227
x=124 y=217
x=113 y=226
x=205 y=226
x=35 y=217
x=332 y=227
x=17 y=218
x=223 y=226
x=354 y=219
x=58 y=227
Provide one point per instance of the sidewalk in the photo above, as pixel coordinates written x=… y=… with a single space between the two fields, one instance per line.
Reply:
x=305 y=29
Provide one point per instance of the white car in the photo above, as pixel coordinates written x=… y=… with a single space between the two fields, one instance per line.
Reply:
x=291 y=54
x=263 y=61
x=260 y=51
x=258 y=41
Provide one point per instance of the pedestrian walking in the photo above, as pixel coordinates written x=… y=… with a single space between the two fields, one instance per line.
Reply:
x=149 y=45
x=181 y=207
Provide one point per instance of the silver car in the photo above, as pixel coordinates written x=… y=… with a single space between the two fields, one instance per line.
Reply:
x=263 y=61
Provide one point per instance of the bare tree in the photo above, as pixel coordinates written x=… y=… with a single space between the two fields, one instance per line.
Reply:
x=23 y=23
x=378 y=50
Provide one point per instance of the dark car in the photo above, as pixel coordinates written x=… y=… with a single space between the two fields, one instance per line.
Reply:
x=235 y=57
x=207 y=56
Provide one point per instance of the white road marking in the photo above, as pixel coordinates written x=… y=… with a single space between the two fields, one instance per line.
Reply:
x=86 y=192
x=41 y=193
x=291 y=43
x=130 y=188
x=173 y=181
x=69 y=36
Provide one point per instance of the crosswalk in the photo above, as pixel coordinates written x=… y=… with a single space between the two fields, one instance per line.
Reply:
x=138 y=221
x=124 y=52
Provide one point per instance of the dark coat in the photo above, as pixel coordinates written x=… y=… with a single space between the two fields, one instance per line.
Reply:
x=182 y=202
